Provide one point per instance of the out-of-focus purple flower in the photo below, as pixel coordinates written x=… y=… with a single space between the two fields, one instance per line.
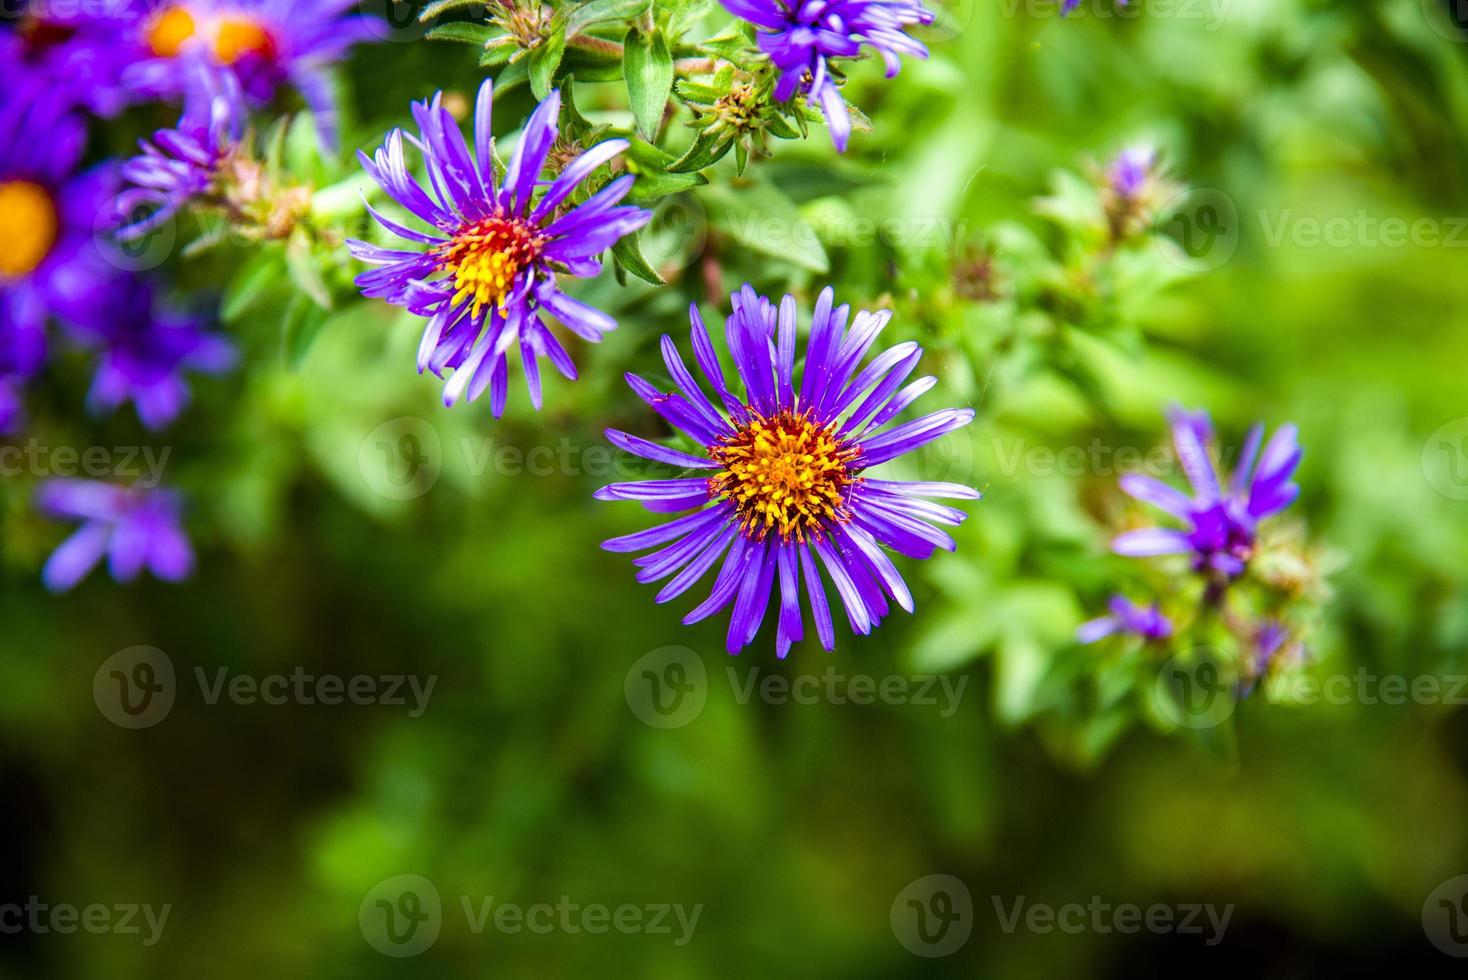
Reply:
x=50 y=264
x=145 y=349
x=1127 y=174
x=133 y=527
x=265 y=43
x=801 y=36
x=1127 y=617
x=184 y=163
x=783 y=486
x=74 y=47
x=12 y=411
x=1220 y=519
x=486 y=275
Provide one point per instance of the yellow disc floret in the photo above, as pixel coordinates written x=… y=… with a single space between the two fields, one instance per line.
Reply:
x=485 y=257
x=28 y=227
x=784 y=473
x=169 y=31
x=235 y=37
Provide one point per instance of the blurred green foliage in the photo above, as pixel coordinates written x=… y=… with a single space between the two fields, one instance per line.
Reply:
x=795 y=826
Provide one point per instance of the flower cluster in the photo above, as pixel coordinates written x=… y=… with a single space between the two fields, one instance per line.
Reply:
x=783 y=490
x=63 y=274
x=1221 y=534
x=804 y=37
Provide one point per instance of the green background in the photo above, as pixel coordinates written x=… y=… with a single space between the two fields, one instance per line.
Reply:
x=796 y=826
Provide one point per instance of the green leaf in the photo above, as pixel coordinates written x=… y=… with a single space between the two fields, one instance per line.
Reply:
x=651 y=185
x=602 y=11
x=648 y=67
x=706 y=150
x=514 y=74
x=300 y=327
x=253 y=281
x=303 y=272
x=628 y=255
x=464 y=32
x=497 y=52
x=544 y=61
x=648 y=156
x=432 y=10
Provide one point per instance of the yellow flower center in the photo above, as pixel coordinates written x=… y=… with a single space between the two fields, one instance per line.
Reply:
x=28 y=227
x=169 y=31
x=230 y=38
x=236 y=37
x=784 y=473
x=486 y=256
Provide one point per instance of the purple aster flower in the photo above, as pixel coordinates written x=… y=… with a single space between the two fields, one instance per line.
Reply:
x=1127 y=617
x=145 y=350
x=801 y=37
x=50 y=264
x=183 y=163
x=74 y=47
x=135 y=528
x=1127 y=174
x=265 y=43
x=783 y=490
x=486 y=275
x=1221 y=518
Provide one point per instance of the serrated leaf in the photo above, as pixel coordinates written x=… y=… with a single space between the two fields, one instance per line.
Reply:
x=647 y=66
x=465 y=32
x=515 y=73
x=602 y=11
x=437 y=7
x=628 y=255
x=651 y=185
x=544 y=61
x=498 y=52
x=706 y=150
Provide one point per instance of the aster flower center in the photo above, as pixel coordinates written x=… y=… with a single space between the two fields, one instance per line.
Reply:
x=28 y=227
x=485 y=258
x=231 y=38
x=785 y=473
x=236 y=37
x=169 y=32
